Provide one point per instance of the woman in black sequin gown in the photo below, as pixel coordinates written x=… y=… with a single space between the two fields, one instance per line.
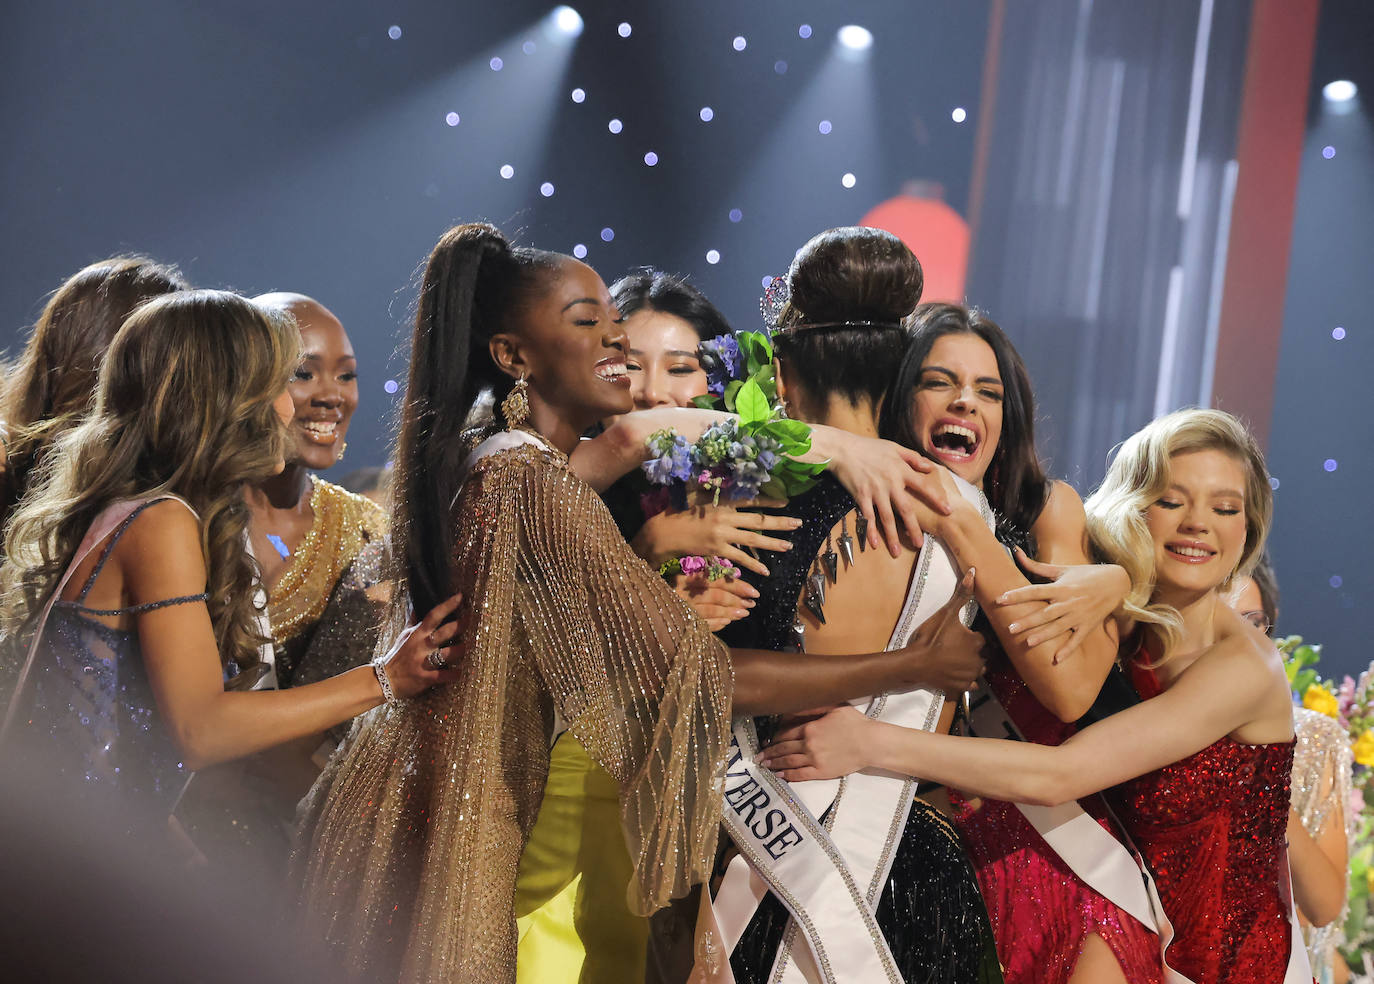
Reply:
x=855 y=286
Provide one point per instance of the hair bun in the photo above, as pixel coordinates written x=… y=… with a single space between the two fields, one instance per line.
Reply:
x=855 y=273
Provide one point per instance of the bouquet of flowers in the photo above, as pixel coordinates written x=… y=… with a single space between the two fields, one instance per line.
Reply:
x=754 y=454
x=1351 y=702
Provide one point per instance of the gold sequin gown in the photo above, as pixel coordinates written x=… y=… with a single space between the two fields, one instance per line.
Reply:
x=412 y=837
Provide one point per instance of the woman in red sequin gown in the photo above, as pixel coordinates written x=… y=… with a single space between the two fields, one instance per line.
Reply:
x=1202 y=765
x=962 y=371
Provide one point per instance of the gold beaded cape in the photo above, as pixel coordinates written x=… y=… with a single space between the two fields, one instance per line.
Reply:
x=412 y=836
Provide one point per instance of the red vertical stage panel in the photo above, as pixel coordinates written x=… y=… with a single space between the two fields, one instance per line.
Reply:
x=1269 y=149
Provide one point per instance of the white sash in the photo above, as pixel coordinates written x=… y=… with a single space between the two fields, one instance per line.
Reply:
x=828 y=874
x=1113 y=869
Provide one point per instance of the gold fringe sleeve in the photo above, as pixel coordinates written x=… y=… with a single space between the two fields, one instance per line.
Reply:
x=412 y=837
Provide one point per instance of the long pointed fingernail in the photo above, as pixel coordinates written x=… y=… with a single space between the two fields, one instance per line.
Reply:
x=741 y=613
x=752 y=591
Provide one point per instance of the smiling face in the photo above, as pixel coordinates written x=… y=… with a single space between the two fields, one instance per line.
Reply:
x=324 y=390
x=570 y=342
x=662 y=361
x=957 y=405
x=1198 y=524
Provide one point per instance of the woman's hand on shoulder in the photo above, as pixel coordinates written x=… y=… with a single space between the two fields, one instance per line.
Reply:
x=894 y=487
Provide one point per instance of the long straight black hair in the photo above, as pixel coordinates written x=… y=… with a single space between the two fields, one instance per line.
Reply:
x=475 y=282
x=1015 y=483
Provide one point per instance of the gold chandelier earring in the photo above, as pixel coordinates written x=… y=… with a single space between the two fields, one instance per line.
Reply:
x=516 y=406
x=343 y=449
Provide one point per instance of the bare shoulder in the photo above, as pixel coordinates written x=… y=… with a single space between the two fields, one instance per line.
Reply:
x=160 y=553
x=1244 y=665
x=1061 y=527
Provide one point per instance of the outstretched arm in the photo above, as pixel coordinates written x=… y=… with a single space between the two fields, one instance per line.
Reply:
x=160 y=558
x=1219 y=694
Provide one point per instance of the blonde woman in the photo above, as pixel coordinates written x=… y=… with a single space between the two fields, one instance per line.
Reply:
x=126 y=567
x=1202 y=765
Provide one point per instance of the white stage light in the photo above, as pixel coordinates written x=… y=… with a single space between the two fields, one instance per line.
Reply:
x=855 y=38
x=567 y=20
x=1342 y=90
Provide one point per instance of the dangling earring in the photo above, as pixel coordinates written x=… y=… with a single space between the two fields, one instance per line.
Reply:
x=516 y=406
x=782 y=409
x=343 y=449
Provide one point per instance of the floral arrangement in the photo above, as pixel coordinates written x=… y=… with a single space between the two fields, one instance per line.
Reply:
x=1351 y=702
x=751 y=455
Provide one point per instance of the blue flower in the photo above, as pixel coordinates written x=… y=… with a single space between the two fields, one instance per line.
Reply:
x=721 y=359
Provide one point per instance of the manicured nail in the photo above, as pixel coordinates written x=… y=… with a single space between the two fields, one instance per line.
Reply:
x=749 y=603
x=1014 y=626
x=1001 y=599
x=794 y=524
x=752 y=591
x=741 y=613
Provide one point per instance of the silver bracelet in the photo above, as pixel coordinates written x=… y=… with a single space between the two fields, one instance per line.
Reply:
x=379 y=667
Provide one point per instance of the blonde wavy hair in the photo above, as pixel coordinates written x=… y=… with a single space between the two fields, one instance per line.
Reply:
x=183 y=405
x=1137 y=478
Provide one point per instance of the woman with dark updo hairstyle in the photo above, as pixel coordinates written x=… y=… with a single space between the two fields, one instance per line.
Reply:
x=839 y=339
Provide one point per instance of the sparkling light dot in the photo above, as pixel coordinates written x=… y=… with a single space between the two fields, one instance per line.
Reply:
x=1335 y=581
x=1329 y=464
x=615 y=126
x=546 y=189
x=1273 y=483
x=713 y=256
x=804 y=31
x=394 y=32
x=766 y=281
x=651 y=158
x=825 y=126
x=391 y=386
x=580 y=251
x=1328 y=152
x=780 y=67
x=607 y=234
x=849 y=180
x=736 y=215
x=959 y=114
x=1342 y=90
x=528 y=47
x=507 y=171
x=1338 y=333
x=453 y=119
x=579 y=95
x=496 y=63
x=707 y=114
x=739 y=43
x=624 y=29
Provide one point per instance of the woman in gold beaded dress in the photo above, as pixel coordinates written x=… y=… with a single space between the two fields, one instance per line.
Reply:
x=319 y=545
x=412 y=837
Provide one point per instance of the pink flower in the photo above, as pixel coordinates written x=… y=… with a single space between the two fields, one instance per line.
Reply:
x=692 y=565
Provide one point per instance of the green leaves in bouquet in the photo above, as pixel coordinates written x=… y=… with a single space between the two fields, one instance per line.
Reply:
x=1300 y=663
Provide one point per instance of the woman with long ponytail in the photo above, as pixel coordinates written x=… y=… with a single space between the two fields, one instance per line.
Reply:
x=413 y=835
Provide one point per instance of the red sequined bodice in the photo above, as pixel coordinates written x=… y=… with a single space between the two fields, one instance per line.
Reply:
x=1212 y=828
x=1041 y=912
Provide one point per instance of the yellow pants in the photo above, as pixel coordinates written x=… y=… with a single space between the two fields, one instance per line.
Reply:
x=570 y=906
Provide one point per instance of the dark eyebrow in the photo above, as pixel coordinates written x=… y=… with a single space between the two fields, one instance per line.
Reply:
x=581 y=300
x=951 y=374
x=690 y=355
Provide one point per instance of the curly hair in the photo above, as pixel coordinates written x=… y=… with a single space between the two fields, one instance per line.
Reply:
x=51 y=385
x=183 y=405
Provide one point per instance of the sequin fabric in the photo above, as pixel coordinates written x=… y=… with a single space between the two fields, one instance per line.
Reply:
x=1322 y=766
x=324 y=588
x=412 y=837
x=1212 y=829
x=930 y=910
x=88 y=709
x=1041 y=911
